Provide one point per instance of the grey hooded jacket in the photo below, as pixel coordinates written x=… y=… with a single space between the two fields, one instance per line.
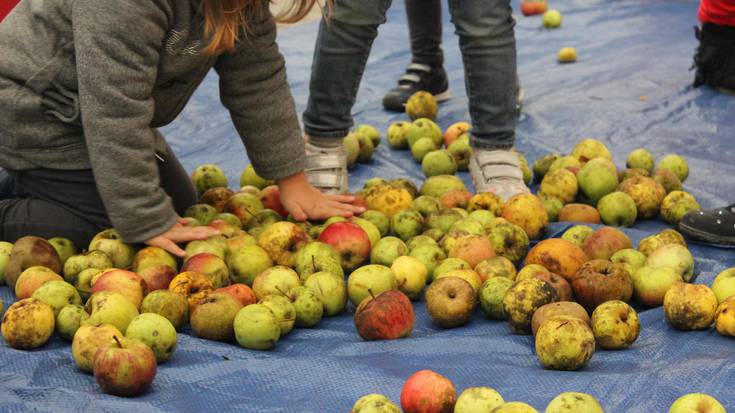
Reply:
x=84 y=84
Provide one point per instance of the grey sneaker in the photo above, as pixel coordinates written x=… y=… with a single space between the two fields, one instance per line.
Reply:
x=326 y=168
x=497 y=171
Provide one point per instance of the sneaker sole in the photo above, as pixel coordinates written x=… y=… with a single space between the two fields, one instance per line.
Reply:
x=708 y=238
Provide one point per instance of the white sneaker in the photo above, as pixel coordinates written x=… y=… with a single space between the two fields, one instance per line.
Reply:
x=497 y=171
x=326 y=168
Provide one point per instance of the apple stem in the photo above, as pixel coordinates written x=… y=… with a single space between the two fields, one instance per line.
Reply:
x=313 y=262
x=117 y=340
x=278 y=288
x=370 y=291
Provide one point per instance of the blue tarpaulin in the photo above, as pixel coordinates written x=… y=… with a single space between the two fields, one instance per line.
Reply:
x=630 y=88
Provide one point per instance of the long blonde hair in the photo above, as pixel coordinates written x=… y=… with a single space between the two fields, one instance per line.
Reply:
x=224 y=20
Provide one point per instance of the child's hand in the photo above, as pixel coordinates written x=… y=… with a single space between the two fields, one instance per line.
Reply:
x=304 y=201
x=180 y=233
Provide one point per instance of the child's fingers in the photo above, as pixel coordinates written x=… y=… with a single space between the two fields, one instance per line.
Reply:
x=343 y=198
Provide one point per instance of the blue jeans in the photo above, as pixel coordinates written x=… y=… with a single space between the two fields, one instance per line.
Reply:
x=487 y=43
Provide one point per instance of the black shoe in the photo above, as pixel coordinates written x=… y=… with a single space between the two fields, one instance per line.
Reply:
x=716 y=226
x=432 y=79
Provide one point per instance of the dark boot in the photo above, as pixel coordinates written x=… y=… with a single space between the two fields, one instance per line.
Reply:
x=716 y=226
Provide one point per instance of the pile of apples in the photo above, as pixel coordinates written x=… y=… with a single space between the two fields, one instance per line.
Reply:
x=427 y=391
x=265 y=275
x=438 y=153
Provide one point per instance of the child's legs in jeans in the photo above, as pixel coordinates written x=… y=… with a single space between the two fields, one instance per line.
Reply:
x=425 y=29
x=487 y=42
x=342 y=48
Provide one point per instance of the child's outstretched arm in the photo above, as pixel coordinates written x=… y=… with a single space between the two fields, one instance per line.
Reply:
x=253 y=87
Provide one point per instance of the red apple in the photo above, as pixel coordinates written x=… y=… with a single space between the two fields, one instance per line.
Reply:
x=127 y=283
x=531 y=7
x=454 y=131
x=216 y=197
x=351 y=242
x=605 y=242
x=387 y=316
x=473 y=249
x=598 y=281
x=270 y=196
x=241 y=292
x=210 y=265
x=559 y=283
x=158 y=277
x=456 y=198
x=428 y=392
x=125 y=367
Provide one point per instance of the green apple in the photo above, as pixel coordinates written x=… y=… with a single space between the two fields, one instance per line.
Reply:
x=203 y=213
x=617 y=209
x=426 y=205
x=78 y=263
x=437 y=186
x=307 y=306
x=677 y=204
x=366 y=147
x=563 y=162
x=173 y=306
x=110 y=308
x=247 y=262
x=406 y=224
x=541 y=165
x=552 y=19
x=420 y=240
x=553 y=206
x=697 y=402
x=443 y=220
x=596 y=179
x=330 y=289
x=256 y=327
x=630 y=258
x=677 y=164
x=208 y=176
x=275 y=280
x=284 y=310
x=352 y=147
x=461 y=151
x=307 y=255
x=491 y=297
x=577 y=234
x=370 y=132
x=64 y=247
x=57 y=294
x=450 y=264
x=724 y=285
x=156 y=332
x=249 y=177
x=69 y=319
x=370 y=279
x=640 y=158
x=397 y=135
x=5 y=248
x=421 y=148
x=650 y=284
x=574 y=402
x=424 y=128
x=674 y=256
x=615 y=325
x=430 y=256
x=482 y=216
x=433 y=233
x=110 y=241
x=410 y=275
x=387 y=250
x=374 y=403
x=468 y=225
x=438 y=162
x=371 y=230
x=379 y=219
x=209 y=246
x=478 y=399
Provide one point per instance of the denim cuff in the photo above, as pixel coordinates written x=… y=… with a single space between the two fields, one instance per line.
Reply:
x=320 y=135
x=502 y=141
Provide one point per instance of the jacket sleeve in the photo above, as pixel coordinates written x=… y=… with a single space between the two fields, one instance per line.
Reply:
x=117 y=45
x=253 y=87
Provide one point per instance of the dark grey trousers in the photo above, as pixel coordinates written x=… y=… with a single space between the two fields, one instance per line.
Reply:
x=57 y=203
